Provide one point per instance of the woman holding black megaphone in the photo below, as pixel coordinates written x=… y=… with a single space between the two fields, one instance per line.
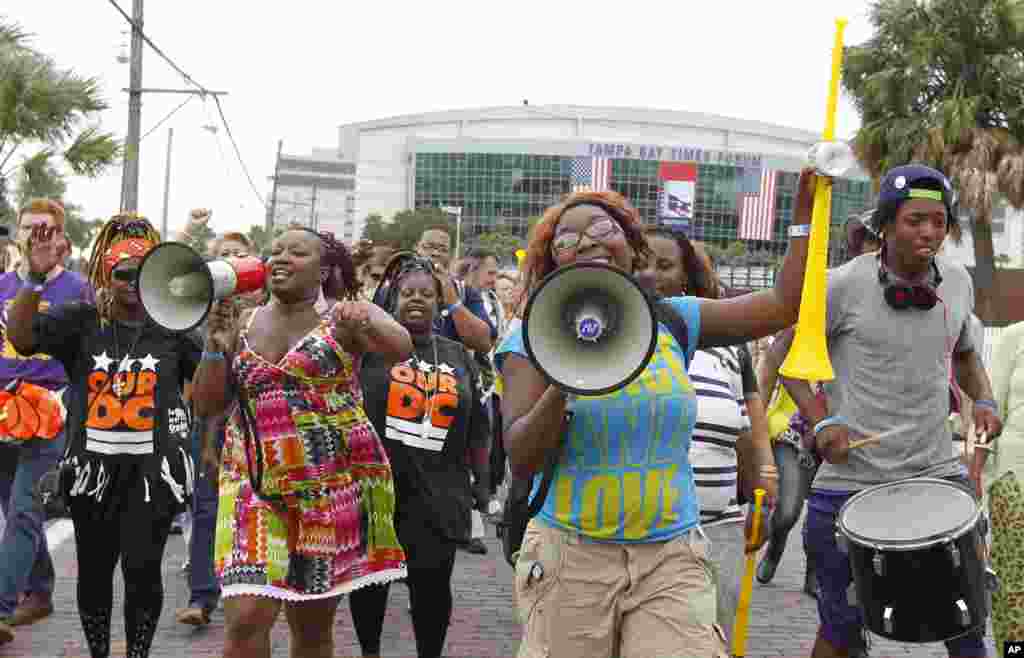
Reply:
x=619 y=533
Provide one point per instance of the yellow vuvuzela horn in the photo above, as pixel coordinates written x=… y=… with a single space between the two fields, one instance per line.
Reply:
x=808 y=356
x=739 y=629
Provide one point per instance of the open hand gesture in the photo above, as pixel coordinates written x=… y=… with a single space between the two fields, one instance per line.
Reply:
x=45 y=249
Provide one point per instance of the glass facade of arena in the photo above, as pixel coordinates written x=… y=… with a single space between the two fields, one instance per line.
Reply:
x=501 y=191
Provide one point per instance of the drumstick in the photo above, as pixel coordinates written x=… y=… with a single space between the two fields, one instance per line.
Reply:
x=865 y=442
x=877 y=438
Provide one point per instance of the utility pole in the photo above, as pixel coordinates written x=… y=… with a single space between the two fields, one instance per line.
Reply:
x=272 y=211
x=167 y=183
x=130 y=171
x=130 y=177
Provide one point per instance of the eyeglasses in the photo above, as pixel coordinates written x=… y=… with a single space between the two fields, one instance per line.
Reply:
x=434 y=247
x=600 y=229
x=126 y=274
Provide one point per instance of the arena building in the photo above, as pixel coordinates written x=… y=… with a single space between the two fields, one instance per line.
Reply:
x=720 y=179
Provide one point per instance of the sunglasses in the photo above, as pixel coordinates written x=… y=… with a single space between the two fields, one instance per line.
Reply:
x=126 y=274
x=570 y=240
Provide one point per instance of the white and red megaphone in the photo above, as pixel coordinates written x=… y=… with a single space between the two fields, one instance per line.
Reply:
x=178 y=287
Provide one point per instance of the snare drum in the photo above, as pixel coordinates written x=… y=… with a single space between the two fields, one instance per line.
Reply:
x=916 y=559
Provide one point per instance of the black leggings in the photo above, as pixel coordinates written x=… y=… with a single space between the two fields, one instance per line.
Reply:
x=430 y=561
x=794 y=484
x=497 y=446
x=138 y=539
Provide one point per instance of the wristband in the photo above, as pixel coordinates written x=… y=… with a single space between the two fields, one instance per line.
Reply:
x=828 y=422
x=213 y=356
x=991 y=404
x=32 y=286
x=451 y=309
x=799 y=230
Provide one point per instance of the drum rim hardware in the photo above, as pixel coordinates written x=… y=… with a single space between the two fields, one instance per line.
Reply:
x=906 y=545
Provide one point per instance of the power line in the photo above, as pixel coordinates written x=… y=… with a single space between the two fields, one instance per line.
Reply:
x=168 y=116
x=238 y=153
x=203 y=92
x=159 y=52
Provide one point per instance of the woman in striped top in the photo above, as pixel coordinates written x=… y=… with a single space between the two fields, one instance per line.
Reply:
x=723 y=441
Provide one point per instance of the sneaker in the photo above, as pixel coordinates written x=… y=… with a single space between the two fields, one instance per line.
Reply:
x=31 y=609
x=766 y=569
x=6 y=632
x=476 y=547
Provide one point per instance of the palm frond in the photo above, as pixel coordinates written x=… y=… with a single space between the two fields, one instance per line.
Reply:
x=91 y=152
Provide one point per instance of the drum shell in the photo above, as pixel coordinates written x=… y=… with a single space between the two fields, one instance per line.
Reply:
x=921 y=584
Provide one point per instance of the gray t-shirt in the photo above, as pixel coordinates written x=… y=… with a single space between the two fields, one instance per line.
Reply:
x=892 y=368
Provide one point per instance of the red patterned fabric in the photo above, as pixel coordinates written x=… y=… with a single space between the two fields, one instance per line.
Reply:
x=130 y=248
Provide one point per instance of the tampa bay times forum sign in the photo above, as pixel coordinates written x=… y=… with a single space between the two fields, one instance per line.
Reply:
x=675 y=154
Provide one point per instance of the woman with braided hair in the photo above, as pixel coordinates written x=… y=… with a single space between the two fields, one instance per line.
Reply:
x=127 y=466
x=306 y=492
x=429 y=411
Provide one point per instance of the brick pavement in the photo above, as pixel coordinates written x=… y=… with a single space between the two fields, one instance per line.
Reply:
x=783 y=620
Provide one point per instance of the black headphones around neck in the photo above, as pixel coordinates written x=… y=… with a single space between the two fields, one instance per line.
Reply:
x=901 y=296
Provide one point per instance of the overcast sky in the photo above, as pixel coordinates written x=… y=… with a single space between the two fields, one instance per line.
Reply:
x=297 y=70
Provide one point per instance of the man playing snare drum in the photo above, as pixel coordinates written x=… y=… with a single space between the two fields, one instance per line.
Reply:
x=897 y=322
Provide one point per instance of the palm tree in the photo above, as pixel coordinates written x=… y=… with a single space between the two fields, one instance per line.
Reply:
x=46 y=117
x=942 y=82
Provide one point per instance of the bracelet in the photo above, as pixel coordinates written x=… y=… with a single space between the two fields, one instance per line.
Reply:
x=32 y=286
x=991 y=404
x=828 y=422
x=799 y=230
x=213 y=356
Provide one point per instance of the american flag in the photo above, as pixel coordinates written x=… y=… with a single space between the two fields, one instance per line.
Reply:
x=757 y=204
x=589 y=173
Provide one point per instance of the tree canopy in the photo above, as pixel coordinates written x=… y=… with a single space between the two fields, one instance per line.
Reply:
x=48 y=125
x=941 y=82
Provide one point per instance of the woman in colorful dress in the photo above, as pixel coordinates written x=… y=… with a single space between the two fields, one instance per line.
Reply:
x=127 y=456
x=306 y=493
x=435 y=427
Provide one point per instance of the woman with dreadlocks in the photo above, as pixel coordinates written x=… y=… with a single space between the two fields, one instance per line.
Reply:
x=306 y=493
x=127 y=459
x=430 y=413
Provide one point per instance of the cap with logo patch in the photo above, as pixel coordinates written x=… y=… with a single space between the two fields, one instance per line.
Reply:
x=905 y=182
x=912 y=181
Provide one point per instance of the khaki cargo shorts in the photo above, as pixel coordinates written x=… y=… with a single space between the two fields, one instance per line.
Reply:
x=582 y=599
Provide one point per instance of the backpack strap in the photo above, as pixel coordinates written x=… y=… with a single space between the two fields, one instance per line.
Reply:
x=550 y=463
x=671 y=318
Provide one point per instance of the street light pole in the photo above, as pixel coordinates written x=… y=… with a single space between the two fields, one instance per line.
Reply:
x=167 y=183
x=457 y=211
x=312 y=211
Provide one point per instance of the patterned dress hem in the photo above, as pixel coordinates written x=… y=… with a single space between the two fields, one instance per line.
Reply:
x=269 y=591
